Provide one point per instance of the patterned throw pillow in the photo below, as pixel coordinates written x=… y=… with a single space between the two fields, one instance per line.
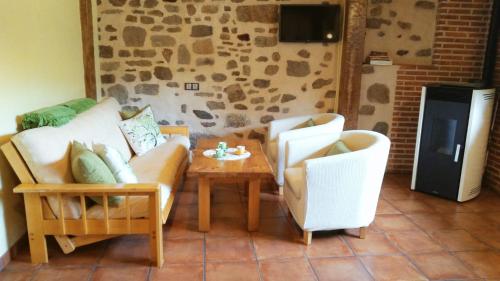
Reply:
x=142 y=132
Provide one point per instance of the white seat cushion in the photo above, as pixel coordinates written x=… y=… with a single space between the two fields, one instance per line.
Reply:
x=273 y=150
x=159 y=165
x=295 y=180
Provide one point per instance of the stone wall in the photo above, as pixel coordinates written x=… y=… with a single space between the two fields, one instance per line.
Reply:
x=403 y=28
x=378 y=88
x=150 y=48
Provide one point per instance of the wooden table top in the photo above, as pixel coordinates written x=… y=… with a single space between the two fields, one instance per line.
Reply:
x=255 y=165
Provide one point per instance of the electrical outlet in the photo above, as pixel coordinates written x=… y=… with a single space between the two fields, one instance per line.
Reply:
x=191 y=86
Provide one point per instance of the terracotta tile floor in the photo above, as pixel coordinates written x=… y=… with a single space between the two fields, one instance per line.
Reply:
x=414 y=237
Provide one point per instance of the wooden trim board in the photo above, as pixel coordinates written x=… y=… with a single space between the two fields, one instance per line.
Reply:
x=87 y=27
x=351 y=63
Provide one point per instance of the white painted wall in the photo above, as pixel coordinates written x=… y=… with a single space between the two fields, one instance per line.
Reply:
x=40 y=65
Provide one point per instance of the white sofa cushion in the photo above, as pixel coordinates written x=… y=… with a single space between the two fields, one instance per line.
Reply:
x=46 y=150
x=159 y=165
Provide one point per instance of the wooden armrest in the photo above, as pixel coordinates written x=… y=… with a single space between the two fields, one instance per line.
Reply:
x=90 y=188
x=175 y=130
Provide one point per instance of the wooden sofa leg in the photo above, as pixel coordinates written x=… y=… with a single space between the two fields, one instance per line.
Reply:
x=34 y=219
x=362 y=232
x=156 y=248
x=307 y=237
x=155 y=231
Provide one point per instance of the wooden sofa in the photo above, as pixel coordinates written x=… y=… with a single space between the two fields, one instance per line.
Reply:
x=49 y=190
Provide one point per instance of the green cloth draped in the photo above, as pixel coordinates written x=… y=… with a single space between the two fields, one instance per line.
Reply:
x=54 y=116
x=57 y=115
x=80 y=105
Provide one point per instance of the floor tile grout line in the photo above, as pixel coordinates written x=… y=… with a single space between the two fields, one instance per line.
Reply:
x=204 y=248
x=34 y=273
x=407 y=215
x=358 y=257
x=445 y=249
x=412 y=262
x=469 y=267
x=290 y=223
x=419 y=270
x=254 y=251
x=148 y=274
x=96 y=265
x=311 y=266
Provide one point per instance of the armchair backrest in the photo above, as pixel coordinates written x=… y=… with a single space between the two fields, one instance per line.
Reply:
x=346 y=187
x=287 y=124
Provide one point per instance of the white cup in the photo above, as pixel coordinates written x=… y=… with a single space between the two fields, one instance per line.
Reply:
x=240 y=149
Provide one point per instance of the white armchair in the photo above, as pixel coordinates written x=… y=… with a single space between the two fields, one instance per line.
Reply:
x=339 y=191
x=281 y=131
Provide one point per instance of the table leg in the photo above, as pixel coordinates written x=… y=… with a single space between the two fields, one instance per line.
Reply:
x=244 y=185
x=203 y=204
x=253 y=204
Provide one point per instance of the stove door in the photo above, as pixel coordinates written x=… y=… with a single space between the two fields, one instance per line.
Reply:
x=442 y=143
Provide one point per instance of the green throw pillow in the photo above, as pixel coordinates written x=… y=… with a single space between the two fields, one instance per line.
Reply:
x=338 y=147
x=308 y=123
x=87 y=167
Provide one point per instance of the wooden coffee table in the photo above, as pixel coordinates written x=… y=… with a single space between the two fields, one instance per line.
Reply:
x=253 y=169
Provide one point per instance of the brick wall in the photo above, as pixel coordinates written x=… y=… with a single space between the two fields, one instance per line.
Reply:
x=461 y=32
x=492 y=177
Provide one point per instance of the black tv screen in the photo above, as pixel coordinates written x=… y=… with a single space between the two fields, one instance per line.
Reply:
x=309 y=23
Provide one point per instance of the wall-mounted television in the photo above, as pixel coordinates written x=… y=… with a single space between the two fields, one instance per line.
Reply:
x=310 y=23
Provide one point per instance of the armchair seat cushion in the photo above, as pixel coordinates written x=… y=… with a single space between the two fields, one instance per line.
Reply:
x=295 y=181
x=273 y=150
